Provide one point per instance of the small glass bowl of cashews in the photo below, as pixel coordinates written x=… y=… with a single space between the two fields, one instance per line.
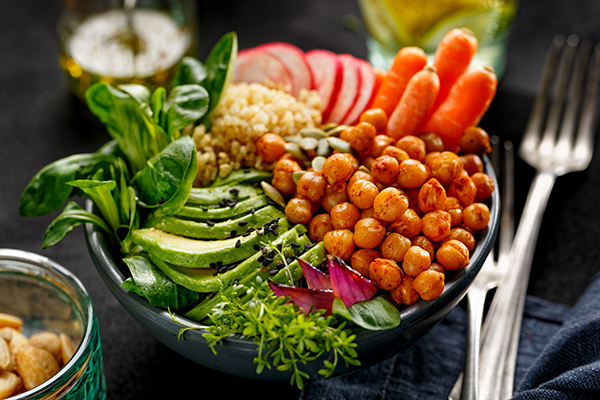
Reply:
x=49 y=336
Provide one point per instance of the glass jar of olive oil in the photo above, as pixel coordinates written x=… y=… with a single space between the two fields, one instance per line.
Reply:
x=125 y=41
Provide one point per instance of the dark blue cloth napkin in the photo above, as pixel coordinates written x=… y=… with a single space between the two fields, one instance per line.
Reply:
x=558 y=358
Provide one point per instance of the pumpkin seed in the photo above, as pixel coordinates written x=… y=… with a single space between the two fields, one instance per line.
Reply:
x=296 y=176
x=316 y=133
x=337 y=130
x=292 y=139
x=295 y=150
x=308 y=143
x=339 y=144
x=273 y=193
x=317 y=163
x=323 y=149
x=329 y=126
x=364 y=169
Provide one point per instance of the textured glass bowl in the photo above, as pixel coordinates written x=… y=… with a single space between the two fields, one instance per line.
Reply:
x=47 y=297
x=236 y=355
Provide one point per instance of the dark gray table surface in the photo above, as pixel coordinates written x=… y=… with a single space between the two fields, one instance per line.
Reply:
x=41 y=122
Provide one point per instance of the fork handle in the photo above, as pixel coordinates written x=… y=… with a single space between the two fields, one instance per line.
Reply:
x=470 y=381
x=510 y=289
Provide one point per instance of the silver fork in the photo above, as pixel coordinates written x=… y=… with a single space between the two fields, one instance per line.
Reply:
x=554 y=146
x=466 y=386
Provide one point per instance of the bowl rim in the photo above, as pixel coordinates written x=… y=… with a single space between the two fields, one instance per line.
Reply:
x=456 y=286
x=36 y=265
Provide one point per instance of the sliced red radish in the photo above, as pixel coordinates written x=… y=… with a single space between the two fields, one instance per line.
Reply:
x=255 y=65
x=326 y=70
x=365 y=94
x=294 y=60
x=348 y=92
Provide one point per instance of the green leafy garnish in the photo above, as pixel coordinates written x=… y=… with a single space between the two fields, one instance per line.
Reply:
x=375 y=314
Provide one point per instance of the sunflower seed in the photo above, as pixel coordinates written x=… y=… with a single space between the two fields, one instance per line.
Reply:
x=364 y=169
x=316 y=133
x=339 y=145
x=273 y=193
x=337 y=130
x=292 y=139
x=295 y=151
x=308 y=143
x=323 y=149
x=296 y=176
x=329 y=126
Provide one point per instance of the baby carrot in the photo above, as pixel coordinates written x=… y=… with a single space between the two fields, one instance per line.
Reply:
x=408 y=61
x=411 y=114
x=452 y=58
x=466 y=103
x=379 y=77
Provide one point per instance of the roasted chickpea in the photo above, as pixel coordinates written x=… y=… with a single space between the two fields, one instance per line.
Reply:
x=362 y=137
x=464 y=189
x=386 y=274
x=370 y=213
x=414 y=146
x=433 y=141
x=475 y=140
x=390 y=204
x=376 y=117
x=353 y=161
x=334 y=194
x=416 y=260
x=337 y=168
x=345 y=134
x=385 y=169
x=270 y=147
x=409 y=224
x=429 y=157
x=472 y=163
x=429 y=284
x=432 y=196
x=395 y=246
x=381 y=142
x=299 y=210
x=476 y=216
x=424 y=243
x=368 y=233
x=339 y=242
x=453 y=255
x=446 y=167
x=362 y=193
x=395 y=152
x=412 y=174
x=282 y=176
x=454 y=209
x=484 y=184
x=344 y=215
x=367 y=161
x=318 y=226
x=311 y=185
x=357 y=176
x=405 y=293
x=462 y=235
x=437 y=225
x=361 y=260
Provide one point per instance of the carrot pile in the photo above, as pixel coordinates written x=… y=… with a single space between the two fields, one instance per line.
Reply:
x=445 y=98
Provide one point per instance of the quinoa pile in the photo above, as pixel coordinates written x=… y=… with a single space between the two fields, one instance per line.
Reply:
x=246 y=112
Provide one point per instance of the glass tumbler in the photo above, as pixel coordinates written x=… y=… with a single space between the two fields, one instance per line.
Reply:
x=47 y=297
x=124 y=41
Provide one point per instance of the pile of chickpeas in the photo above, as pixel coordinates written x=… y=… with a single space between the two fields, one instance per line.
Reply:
x=401 y=210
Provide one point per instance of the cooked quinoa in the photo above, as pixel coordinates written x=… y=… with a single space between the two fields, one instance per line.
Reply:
x=246 y=112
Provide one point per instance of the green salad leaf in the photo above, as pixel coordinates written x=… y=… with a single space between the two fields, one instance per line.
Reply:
x=185 y=105
x=189 y=70
x=151 y=283
x=375 y=314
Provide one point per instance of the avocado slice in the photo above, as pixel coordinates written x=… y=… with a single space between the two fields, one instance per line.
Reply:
x=214 y=195
x=314 y=256
x=195 y=253
x=243 y=175
x=210 y=230
x=210 y=280
x=220 y=213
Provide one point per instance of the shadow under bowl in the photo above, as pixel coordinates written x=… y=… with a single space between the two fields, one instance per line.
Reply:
x=236 y=355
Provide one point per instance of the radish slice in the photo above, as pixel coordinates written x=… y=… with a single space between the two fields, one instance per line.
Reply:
x=350 y=286
x=349 y=91
x=315 y=278
x=294 y=60
x=365 y=94
x=326 y=69
x=305 y=298
x=254 y=65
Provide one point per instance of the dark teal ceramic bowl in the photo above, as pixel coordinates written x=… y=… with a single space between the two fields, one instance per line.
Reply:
x=236 y=355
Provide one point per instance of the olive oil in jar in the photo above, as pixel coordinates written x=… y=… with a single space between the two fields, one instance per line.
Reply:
x=100 y=49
